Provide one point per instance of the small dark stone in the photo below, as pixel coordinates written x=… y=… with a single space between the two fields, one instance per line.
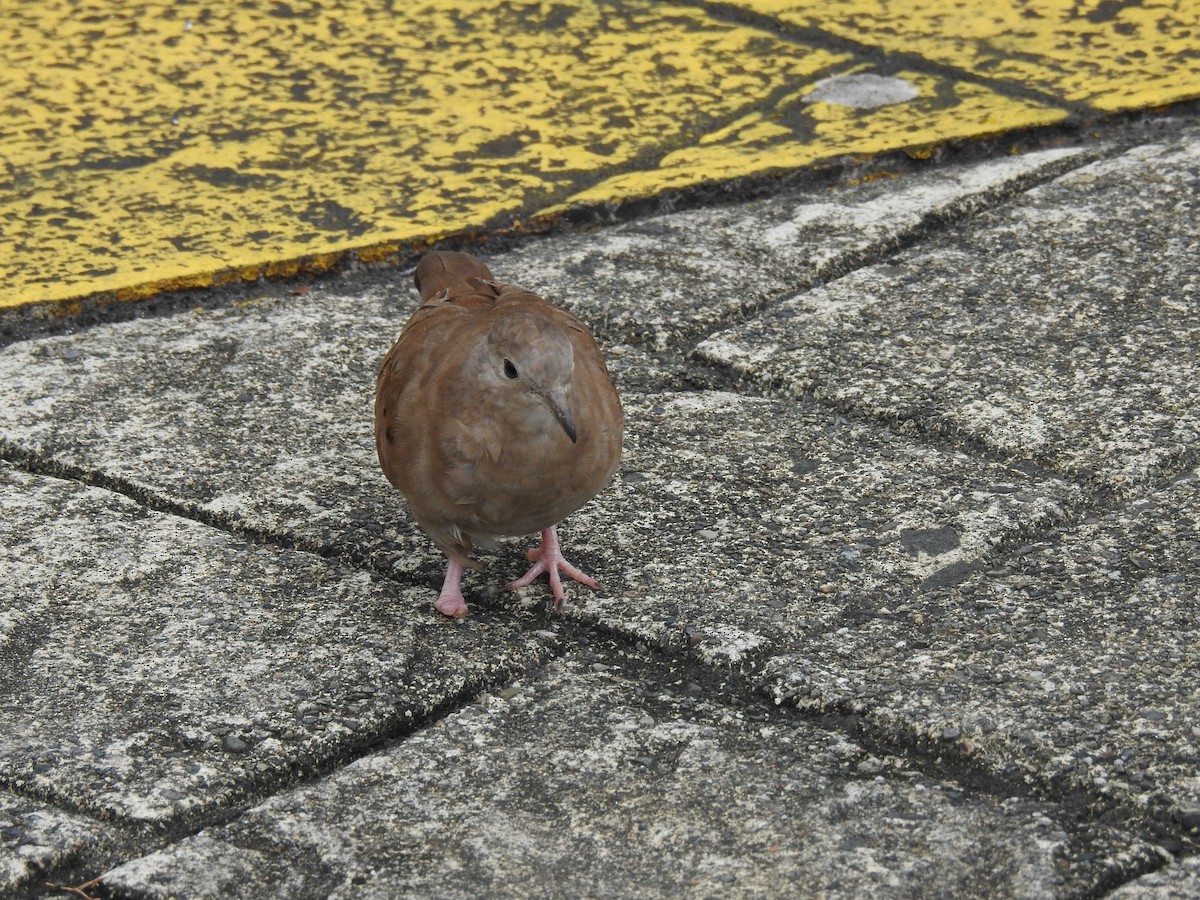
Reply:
x=951 y=575
x=934 y=541
x=234 y=744
x=801 y=467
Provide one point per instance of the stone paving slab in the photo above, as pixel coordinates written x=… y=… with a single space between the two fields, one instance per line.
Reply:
x=742 y=524
x=1176 y=882
x=1048 y=328
x=1072 y=663
x=659 y=282
x=595 y=780
x=155 y=669
x=205 y=409
x=36 y=838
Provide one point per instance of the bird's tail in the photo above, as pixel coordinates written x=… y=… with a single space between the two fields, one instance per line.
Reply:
x=448 y=270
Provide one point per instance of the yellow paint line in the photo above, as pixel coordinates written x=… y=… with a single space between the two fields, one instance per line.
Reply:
x=165 y=144
x=172 y=144
x=799 y=131
x=1106 y=54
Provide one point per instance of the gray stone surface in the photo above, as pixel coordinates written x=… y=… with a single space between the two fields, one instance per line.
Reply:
x=36 y=837
x=1073 y=662
x=1176 y=882
x=594 y=780
x=657 y=283
x=1049 y=328
x=953 y=537
x=153 y=669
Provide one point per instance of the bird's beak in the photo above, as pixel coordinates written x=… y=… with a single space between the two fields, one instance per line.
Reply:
x=556 y=399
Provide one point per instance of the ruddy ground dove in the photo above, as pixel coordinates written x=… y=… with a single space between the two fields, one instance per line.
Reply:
x=495 y=416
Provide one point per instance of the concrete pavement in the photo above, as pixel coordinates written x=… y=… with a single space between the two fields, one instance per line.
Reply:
x=900 y=566
x=901 y=559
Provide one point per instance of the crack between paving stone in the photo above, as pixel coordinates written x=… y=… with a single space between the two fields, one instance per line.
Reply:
x=745 y=689
x=737 y=688
x=144 y=839
x=34 y=463
x=1095 y=497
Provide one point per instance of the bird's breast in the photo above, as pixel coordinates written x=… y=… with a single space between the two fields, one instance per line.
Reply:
x=523 y=481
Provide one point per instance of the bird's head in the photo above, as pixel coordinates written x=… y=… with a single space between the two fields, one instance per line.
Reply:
x=531 y=363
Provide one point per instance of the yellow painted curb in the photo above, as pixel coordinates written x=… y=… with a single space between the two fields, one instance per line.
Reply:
x=158 y=144
x=153 y=146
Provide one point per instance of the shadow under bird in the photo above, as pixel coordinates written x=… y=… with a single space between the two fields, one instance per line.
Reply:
x=495 y=416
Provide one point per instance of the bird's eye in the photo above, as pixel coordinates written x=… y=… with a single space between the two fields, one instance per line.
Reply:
x=510 y=371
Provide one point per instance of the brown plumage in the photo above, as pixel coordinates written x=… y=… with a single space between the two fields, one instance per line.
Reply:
x=495 y=416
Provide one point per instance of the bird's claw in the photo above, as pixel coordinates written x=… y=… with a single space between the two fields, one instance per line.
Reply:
x=547 y=557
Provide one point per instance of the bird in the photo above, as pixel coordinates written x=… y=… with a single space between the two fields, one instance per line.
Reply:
x=495 y=416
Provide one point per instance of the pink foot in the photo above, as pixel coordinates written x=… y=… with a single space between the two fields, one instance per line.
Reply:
x=450 y=601
x=548 y=558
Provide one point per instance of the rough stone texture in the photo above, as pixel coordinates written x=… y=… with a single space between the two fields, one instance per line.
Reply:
x=1176 y=882
x=738 y=525
x=35 y=837
x=153 y=668
x=1074 y=661
x=593 y=781
x=656 y=282
x=874 y=542
x=1049 y=328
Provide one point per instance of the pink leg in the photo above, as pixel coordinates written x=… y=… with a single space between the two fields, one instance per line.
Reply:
x=450 y=601
x=548 y=558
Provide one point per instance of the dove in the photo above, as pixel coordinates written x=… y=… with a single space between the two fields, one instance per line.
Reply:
x=495 y=416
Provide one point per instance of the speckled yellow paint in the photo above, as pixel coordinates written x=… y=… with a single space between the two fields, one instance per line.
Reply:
x=164 y=144
x=159 y=145
x=1106 y=54
x=796 y=132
